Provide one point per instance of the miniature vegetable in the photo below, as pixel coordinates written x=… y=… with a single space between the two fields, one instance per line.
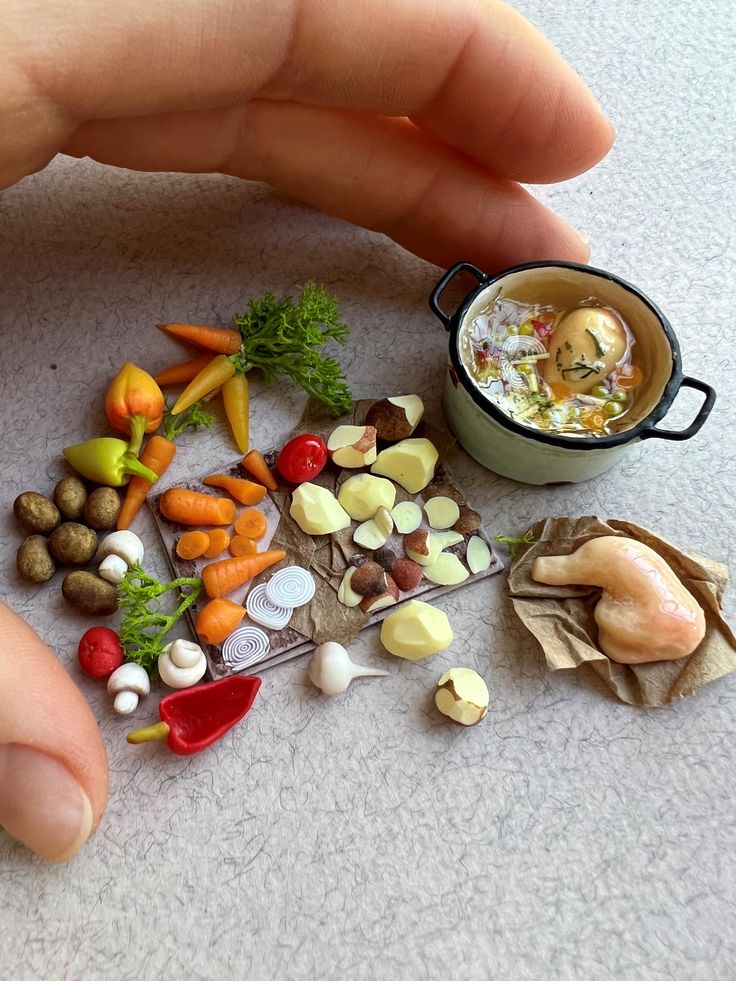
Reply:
x=374 y=532
x=72 y=543
x=237 y=409
x=124 y=544
x=192 y=544
x=221 y=578
x=302 y=458
x=410 y=463
x=89 y=594
x=69 y=497
x=352 y=446
x=363 y=494
x=446 y=570
x=396 y=418
x=128 y=684
x=107 y=461
x=468 y=520
x=36 y=513
x=331 y=669
x=219 y=541
x=345 y=593
x=180 y=374
x=102 y=507
x=134 y=404
x=514 y=544
x=33 y=560
x=143 y=624
x=251 y=523
x=217 y=620
x=193 y=719
x=256 y=466
x=416 y=630
x=406 y=574
x=222 y=340
x=239 y=545
x=407 y=517
x=389 y=597
x=290 y=587
x=478 y=555
x=211 y=377
x=113 y=569
x=187 y=507
x=462 y=695
x=100 y=652
x=182 y=664
x=442 y=512
x=245 y=491
x=317 y=511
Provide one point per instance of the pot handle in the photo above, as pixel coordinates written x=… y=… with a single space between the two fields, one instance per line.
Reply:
x=434 y=296
x=696 y=424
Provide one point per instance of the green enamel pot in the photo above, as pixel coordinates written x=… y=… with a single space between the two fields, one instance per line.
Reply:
x=533 y=457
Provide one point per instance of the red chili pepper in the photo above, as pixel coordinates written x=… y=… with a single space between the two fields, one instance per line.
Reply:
x=194 y=718
x=302 y=458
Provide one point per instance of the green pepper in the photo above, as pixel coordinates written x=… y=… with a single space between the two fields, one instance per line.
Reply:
x=107 y=461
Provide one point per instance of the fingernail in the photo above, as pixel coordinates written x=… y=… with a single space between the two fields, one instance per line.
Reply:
x=41 y=803
x=582 y=236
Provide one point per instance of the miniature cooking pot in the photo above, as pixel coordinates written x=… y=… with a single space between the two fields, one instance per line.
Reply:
x=536 y=457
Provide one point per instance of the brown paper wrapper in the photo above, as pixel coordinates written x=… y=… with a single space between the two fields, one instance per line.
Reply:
x=561 y=617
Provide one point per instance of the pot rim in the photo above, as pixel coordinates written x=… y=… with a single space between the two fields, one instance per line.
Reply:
x=671 y=388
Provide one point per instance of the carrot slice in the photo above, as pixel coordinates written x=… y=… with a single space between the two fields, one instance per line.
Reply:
x=252 y=524
x=192 y=544
x=245 y=491
x=223 y=340
x=240 y=545
x=256 y=466
x=221 y=578
x=188 y=507
x=219 y=541
x=217 y=620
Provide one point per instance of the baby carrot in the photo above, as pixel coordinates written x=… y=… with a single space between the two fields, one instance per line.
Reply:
x=180 y=374
x=217 y=620
x=223 y=340
x=219 y=541
x=244 y=491
x=242 y=546
x=157 y=456
x=192 y=544
x=188 y=507
x=252 y=524
x=214 y=374
x=254 y=463
x=235 y=400
x=221 y=578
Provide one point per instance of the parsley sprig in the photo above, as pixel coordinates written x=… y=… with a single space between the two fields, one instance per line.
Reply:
x=514 y=544
x=195 y=417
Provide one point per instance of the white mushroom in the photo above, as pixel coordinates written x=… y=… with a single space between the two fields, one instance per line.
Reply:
x=124 y=544
x=128 y=683
x=332 y=670
x=113 y=569
x=182 y=664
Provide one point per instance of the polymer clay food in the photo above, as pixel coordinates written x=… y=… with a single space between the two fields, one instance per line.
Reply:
x=317 y=511
x=416 y=630
x=36 y=513
x=134 y=404
x=34 y=563
x=100 y=652
x=107 y=461
x=331 y=669
x=644 y=613
x=101 y=509
x=72 y=543
x=363 y=494
x=410 y=463
x=395 y=418
x=128 y=683
x=352 y=446
x=302 y=458
x=182 y=664
x=462 y=695
x=70 y=495
x=89 y=594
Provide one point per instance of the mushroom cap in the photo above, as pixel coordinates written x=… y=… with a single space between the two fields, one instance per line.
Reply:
x=129 y=677
x=123 y=543
x=113 y=568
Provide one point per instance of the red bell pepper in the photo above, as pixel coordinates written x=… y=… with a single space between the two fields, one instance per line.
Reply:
x=194 y=718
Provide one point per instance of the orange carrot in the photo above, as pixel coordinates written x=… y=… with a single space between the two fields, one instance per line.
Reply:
x=254 y=463
x=252 y=524
x=221 y=578
x=192 y=544
x=245 y=491
x=180 y=374
x=219 y=541
x=157 y=455
x=239 y=545
x=223 y=340
x=188 y=507
x=217 y=620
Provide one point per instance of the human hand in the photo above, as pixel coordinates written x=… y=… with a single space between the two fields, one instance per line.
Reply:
x=415 y=118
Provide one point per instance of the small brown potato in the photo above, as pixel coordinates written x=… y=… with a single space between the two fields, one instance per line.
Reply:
x=69 y=497
x=468 y=522
x=34 y=562
x=102 y=508
x=89 y=594
x=36 y=513
x=72 y=543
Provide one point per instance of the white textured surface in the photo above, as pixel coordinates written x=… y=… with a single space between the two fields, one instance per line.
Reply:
x=567 y=836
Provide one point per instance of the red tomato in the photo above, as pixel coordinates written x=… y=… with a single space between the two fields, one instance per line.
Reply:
x=100 y=652
x=302 y=458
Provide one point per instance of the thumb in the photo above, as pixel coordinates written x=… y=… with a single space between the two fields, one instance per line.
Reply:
x=53 y=766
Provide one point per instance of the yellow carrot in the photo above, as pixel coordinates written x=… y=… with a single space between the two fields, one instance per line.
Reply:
x=212 y=376
x=235 y=400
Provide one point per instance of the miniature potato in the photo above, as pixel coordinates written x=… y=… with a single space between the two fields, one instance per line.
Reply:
x=34 y=562
x=36 y=513
x=416 y=630
x=363 y=494
x=462 y=695
x=345 y=593
x=478 y=555
x=317 y=511
x=396 y=418
x=424 y=547
x=407 y=517
x=442 y=512
x=446 y=570
x=468 y=521
x=374 y=532
x=102 y=508
x=389 y=597
x=89 y=594
x=406 y=574
x=410 y=463
x=352 y=446
x=72 y=543
x=69 y=497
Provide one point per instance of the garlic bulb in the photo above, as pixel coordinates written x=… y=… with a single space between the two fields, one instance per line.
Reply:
x=331 y=669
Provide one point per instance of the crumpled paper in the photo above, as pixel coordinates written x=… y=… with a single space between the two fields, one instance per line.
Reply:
x=561 y=617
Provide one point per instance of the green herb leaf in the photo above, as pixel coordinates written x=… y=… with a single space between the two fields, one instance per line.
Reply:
x=282 y=337
x=598 y=346
x=195 y=417
x=144 y=624
x=514 y=544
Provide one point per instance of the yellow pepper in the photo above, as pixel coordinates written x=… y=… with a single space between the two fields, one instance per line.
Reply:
x=134 y=404
x=212 y=376
x=235 y=400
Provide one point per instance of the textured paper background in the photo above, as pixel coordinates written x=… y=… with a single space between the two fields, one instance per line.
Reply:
x=567 y=837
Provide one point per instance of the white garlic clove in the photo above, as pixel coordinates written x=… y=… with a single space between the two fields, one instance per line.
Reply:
x=113 y=569
x=332 y=670
x=125 y=702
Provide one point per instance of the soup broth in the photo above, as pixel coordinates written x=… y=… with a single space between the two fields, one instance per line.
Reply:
x=562 y=370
